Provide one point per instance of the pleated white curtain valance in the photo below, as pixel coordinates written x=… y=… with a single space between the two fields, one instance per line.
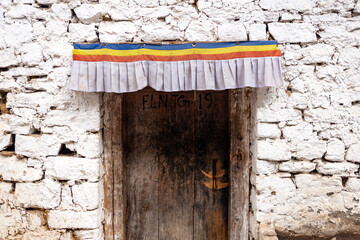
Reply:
x=124 y=68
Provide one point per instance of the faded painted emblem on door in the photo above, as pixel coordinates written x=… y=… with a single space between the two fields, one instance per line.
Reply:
x=214 y=178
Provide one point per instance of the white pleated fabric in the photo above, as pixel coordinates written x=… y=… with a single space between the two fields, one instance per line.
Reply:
x=122 y=77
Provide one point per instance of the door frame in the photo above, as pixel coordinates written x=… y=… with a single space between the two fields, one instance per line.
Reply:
x=239 y=165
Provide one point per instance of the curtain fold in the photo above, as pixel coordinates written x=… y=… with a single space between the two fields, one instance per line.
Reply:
x=124 y=68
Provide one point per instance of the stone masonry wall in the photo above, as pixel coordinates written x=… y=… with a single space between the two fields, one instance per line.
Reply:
x=305 y=154
x=306 y=165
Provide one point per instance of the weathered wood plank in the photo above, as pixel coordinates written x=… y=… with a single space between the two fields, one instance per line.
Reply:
x=211 y=154
x=171 y=139
x=118 y=169
x=113 y=177
x=108 y=168
x=141 y=166
x=240 y=111
x=176 y=180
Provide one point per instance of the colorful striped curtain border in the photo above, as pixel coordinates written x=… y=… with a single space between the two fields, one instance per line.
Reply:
x=123 y=68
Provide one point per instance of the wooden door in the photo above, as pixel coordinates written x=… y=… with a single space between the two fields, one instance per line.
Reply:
x=176 y=157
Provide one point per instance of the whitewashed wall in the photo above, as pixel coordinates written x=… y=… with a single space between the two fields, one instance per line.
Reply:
x=306 y=153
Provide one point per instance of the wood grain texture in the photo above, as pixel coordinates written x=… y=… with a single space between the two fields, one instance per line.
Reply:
x=113 y=177
x=141 y=168
x=239 y=125
x=108 y=170
x=175 y=144
x=118 y=170
x=176 y=189
x=211 y=155
x=240 y=120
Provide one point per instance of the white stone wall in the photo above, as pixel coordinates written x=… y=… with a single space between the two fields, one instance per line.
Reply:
x=306 y=161
x=306 y=153
x=50 y=159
